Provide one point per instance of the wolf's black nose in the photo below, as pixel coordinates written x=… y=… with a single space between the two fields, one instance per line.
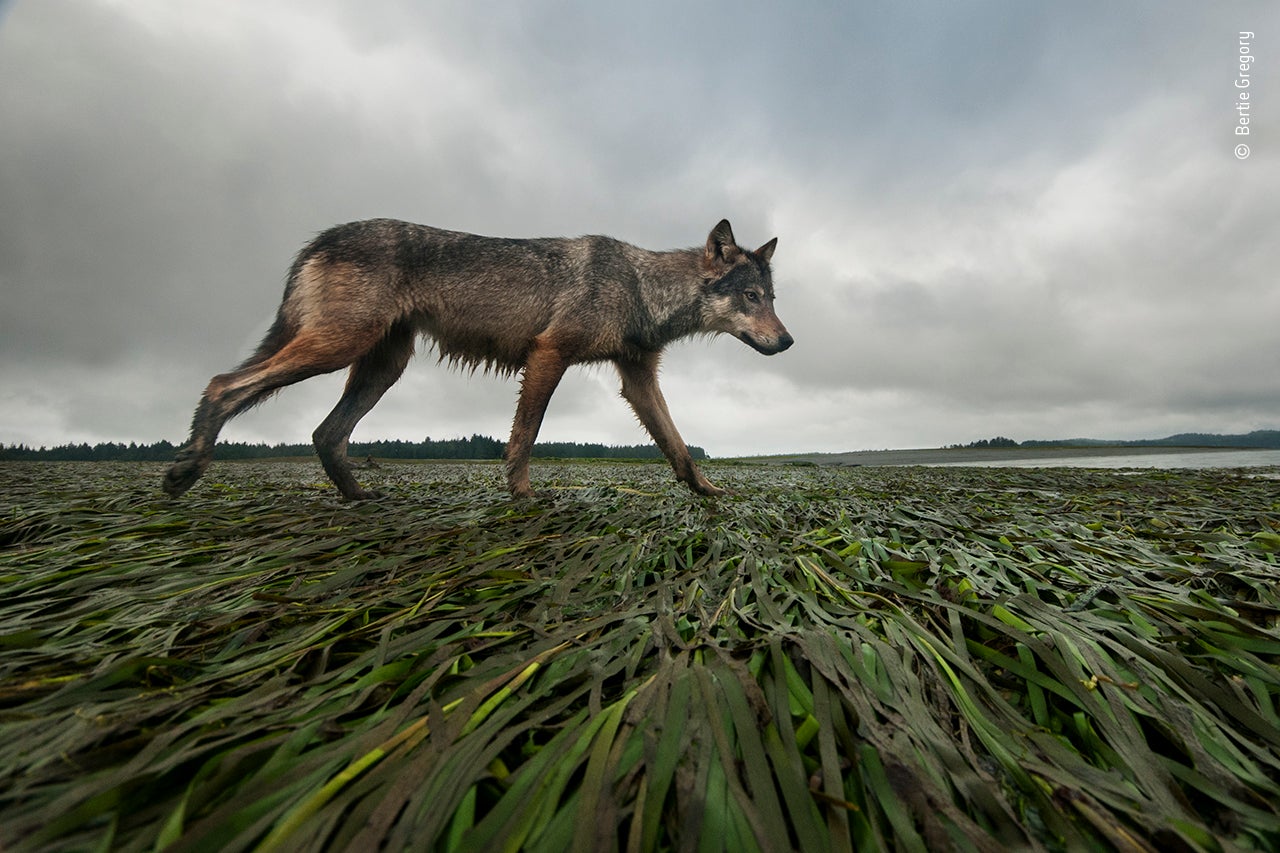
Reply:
x=785 y=342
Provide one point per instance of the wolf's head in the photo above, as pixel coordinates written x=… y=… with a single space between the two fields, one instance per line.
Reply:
x=738 y=292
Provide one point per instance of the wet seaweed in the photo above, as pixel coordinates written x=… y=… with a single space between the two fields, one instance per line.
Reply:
x=895 y=658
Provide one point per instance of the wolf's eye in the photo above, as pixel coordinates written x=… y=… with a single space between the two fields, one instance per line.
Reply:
x=752 y=296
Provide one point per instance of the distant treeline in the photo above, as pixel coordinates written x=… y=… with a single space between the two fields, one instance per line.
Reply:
x=475 y=447
x=1262 y=438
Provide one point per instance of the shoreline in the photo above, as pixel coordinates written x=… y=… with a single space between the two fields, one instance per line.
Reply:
x=981 y=455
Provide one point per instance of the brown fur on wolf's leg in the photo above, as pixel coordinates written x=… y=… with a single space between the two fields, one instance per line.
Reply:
x=283 y=359
x=542 y=373
x=640 y=388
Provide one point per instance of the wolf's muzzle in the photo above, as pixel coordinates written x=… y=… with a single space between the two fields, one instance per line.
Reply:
x=783 y=342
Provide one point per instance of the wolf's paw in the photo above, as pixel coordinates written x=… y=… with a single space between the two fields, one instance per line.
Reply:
x=181 y=476
x=530 y=494
x=707 y=490
x=363 y=495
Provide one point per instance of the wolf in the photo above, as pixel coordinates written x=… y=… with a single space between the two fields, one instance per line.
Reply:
x=359 y=295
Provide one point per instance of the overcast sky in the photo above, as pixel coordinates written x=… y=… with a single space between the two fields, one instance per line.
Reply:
x=1023 y=219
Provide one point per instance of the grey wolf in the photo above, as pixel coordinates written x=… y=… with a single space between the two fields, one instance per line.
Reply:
x=359 y=294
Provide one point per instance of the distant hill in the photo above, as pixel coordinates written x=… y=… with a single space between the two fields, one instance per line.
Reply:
x=1262 y=438
x=1001 y=449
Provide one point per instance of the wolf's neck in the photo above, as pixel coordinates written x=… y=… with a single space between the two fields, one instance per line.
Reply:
x=671 y=292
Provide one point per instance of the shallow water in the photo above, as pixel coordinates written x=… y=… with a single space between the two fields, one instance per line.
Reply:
x=1195 y=459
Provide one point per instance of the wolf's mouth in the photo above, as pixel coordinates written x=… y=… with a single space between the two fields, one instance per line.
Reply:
x=782 y=343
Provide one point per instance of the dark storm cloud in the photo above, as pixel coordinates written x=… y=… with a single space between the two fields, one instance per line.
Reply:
x=1010 y=217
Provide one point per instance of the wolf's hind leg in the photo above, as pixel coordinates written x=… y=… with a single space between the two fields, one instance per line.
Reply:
x=309 y=353
x=370 y=377
x=227 y=395
x=194 y=457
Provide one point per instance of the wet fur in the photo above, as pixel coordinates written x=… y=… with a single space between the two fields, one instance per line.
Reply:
x=359 y=294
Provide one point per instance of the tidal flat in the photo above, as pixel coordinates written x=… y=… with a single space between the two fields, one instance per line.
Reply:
x=831 y=659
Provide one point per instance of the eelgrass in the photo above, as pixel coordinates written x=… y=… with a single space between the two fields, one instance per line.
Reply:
x=913 y=659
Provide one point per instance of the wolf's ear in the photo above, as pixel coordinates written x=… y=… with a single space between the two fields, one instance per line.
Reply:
x=720 y=245
x=766 y=251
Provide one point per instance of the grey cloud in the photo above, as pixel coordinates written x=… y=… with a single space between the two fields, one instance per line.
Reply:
x=1013 y=214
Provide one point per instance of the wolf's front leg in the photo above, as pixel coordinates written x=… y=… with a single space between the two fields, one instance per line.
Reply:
x=640 y=389
x=542 y=372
